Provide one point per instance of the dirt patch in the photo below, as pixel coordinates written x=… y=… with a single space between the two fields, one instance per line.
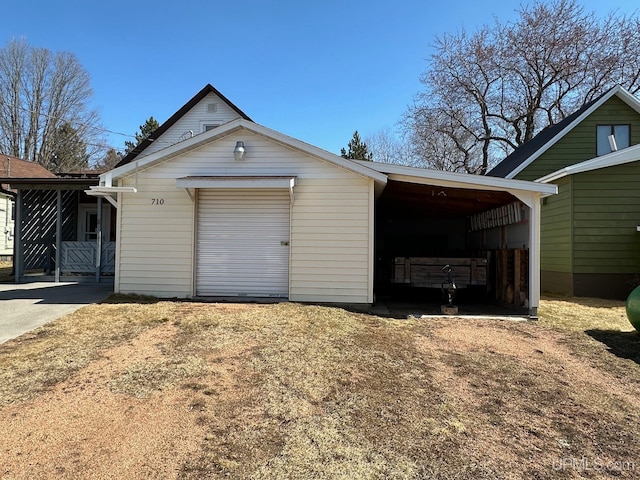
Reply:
x=82 y=428
x=191 y=390
x=525 y=387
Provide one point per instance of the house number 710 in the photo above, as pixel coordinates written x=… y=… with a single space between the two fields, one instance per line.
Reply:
x=157 y=201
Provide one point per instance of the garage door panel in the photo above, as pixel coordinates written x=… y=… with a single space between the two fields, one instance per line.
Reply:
x=242 y=245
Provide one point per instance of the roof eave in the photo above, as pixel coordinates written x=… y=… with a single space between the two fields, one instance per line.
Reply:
x=620 y=157
x=230 y=128
x=618 y=90
x=177 y=116
x=461 y=180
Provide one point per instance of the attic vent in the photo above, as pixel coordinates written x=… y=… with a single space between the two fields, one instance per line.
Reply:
x=212 y=107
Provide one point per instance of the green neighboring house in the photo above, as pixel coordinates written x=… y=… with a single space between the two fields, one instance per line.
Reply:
x=590 y=238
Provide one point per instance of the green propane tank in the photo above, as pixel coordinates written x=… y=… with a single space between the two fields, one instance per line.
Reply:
x=633 y=308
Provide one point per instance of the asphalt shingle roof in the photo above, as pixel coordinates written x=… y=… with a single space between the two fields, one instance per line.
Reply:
x=527 y=149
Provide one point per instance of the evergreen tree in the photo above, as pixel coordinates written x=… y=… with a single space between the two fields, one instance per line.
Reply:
x=357 y=149
x=110 y=160
x=69 y=153
x=145 y=130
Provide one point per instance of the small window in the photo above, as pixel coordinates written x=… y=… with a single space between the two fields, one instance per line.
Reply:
x=13 y=211
x=620 y=134
x=208 y=127
x=90 y=226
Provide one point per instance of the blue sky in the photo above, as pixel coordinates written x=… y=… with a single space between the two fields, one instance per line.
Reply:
x=315 y=70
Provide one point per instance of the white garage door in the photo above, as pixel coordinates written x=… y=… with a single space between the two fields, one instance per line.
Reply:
x=243 y=243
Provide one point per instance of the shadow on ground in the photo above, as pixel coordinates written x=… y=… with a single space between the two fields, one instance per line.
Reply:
x=57 y=293
x=621 y=344
x=416 y=303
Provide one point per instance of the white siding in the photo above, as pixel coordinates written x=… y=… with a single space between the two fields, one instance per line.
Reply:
x=155 y=241
x=330 y=250
x=331 y=222
x=194 y=121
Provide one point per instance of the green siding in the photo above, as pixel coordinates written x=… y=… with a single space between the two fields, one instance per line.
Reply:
x=580 y=143
x=606 y=211
x=555 y=230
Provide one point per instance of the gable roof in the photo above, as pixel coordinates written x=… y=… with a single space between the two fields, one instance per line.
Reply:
x=229 y=128
x=177 y=116
x=524 y=155
x=620 y=157
x=12 y=167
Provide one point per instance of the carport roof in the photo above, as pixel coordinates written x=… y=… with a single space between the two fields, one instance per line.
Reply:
x=56 y=183
x=459 y=180
x=412 y=190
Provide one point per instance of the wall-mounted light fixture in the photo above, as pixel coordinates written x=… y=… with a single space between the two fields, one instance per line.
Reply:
x=239 y=152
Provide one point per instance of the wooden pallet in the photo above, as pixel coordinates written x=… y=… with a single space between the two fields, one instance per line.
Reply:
x=429 y=271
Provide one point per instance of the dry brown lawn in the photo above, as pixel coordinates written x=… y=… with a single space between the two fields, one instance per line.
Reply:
x=144 y=389
x=5 y=271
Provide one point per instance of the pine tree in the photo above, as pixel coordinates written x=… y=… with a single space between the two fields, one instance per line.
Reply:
x=357 y=149
x=145 y=130
x=69 y=152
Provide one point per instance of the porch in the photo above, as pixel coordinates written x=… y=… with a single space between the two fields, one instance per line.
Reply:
x=62 y=234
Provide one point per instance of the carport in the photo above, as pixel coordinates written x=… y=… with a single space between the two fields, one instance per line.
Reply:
x=487 y=229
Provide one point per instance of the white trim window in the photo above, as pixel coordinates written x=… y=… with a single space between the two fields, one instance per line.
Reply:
x=621 y=136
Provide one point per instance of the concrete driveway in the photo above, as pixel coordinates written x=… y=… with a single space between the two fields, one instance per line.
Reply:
x=24 y=307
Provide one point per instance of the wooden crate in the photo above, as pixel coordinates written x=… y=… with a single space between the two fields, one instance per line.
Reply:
x=428 y=271
x=512 y=276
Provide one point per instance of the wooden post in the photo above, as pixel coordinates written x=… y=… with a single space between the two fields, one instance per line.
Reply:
x=504 y=258
x=58 y=234
x=99 y=240
x=18 y=250
x=534 y=258
x=516 y=276
x=407 y=270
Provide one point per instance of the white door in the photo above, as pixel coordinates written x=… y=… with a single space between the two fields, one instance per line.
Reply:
x=88 y=222
x=242 y=246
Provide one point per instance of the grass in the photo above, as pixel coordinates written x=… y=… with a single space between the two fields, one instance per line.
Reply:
x=5 y=271
x=303 y=391
x=580 y=314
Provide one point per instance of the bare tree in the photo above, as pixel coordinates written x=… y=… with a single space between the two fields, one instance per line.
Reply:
x=41 y=91
x=488 y=93
x=386 y=146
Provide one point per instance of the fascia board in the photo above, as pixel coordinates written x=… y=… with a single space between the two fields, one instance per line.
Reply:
x=173 y=150
x=348 y=164
x=627 y=155
x=460 y=180
x=564 y=131
x=231 y=127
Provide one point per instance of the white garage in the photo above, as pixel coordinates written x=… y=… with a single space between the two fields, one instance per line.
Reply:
x=215 y=205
